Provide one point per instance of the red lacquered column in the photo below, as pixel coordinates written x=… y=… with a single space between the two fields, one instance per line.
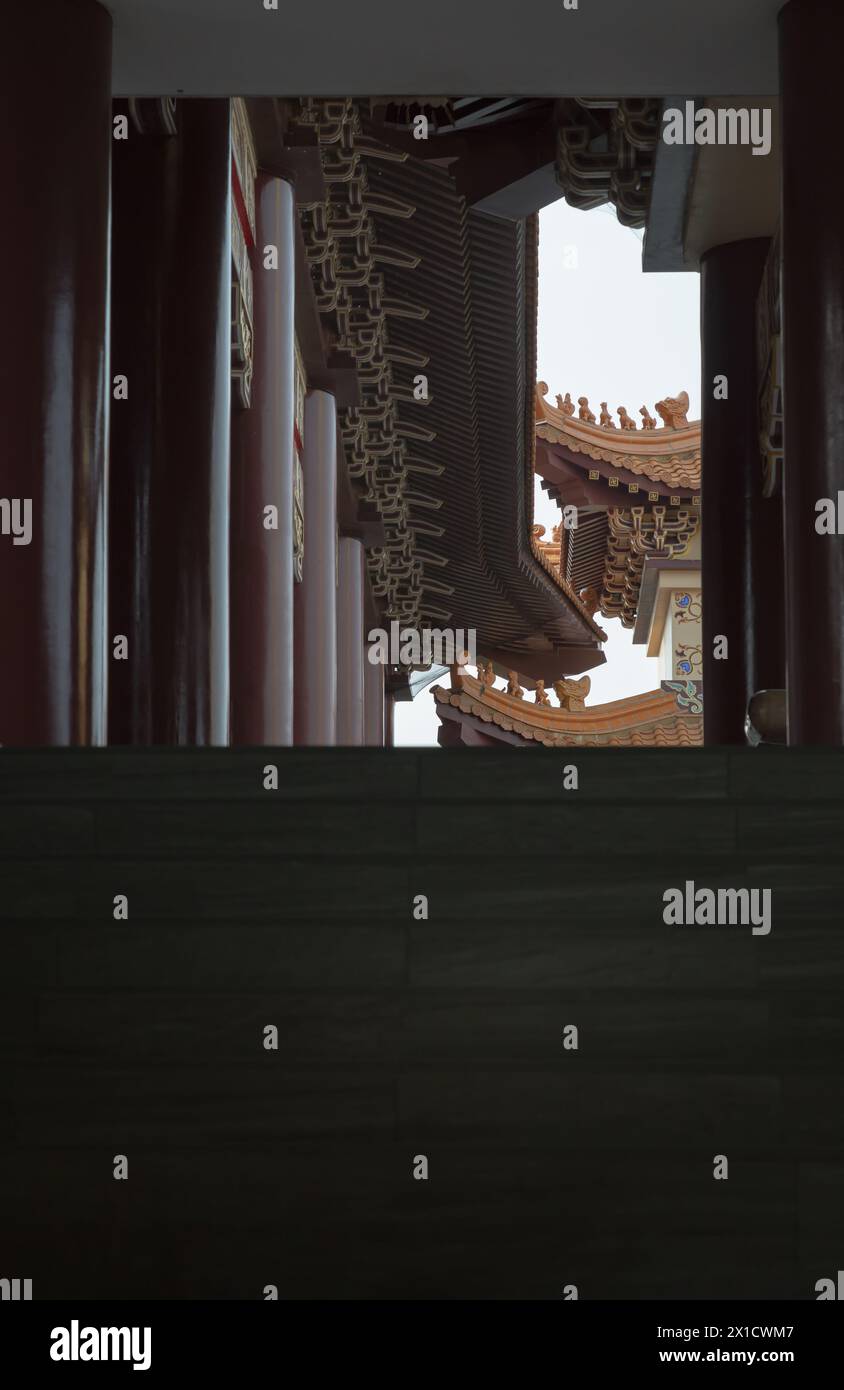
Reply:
x=373 y=678
x=741 y=536
x=169 y=490
x=55 y=119
x=811 y=39
x=316 y=596
x=262 y=476
x=350 y=653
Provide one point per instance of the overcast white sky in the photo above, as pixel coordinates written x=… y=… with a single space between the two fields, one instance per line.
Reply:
x=609 y=332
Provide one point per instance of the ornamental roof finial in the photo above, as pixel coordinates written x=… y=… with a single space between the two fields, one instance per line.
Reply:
x=513 y=687
x=673 y=411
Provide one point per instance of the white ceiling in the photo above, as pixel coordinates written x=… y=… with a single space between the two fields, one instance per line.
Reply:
x=444 y=47
x=734 y=196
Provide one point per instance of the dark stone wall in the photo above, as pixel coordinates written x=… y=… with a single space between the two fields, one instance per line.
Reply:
x=399 y=1037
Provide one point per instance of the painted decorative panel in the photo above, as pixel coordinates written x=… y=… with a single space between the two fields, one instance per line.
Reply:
x=244 y=170
x=686 y=635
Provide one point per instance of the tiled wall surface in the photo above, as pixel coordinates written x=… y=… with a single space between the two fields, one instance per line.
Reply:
x=400 y=1037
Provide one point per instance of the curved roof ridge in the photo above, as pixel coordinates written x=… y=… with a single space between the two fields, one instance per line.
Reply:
x=654 y=718
x=669 y=453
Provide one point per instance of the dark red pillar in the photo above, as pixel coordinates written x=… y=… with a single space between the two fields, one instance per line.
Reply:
x=811 y=41
x=373 y=680
x=350 y=642
x=262 y=476
x=316 y=597
x=55 y=128
x=169 y=490
x=741 y=535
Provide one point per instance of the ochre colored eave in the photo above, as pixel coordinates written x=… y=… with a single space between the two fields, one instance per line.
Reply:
x=651 y=719
x=670 y=456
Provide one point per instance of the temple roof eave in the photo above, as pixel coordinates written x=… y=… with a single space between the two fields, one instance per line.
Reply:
x=477 y=277
x=653 y=718
x=669 y=454
x=677 y=472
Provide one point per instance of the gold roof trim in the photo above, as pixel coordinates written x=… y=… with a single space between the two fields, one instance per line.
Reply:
x=650 y=720
x=670 y=454
x=549 y=558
